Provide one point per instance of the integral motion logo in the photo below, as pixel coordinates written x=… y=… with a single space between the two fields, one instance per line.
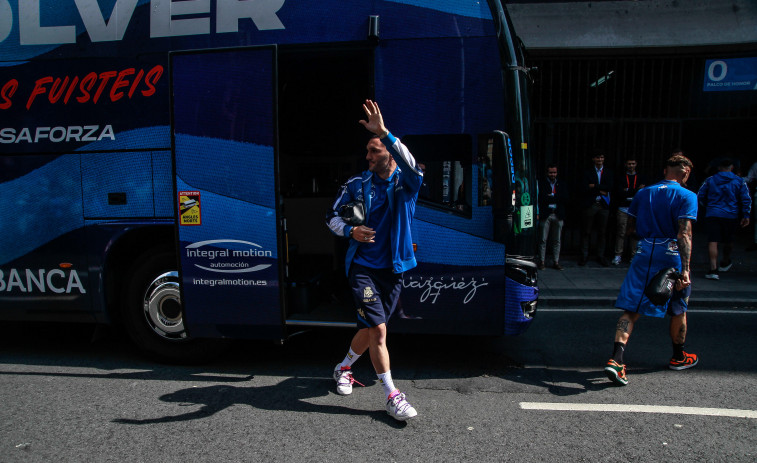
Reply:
x=223 y=260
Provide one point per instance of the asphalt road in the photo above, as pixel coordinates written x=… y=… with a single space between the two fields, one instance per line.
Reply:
x=68 y=397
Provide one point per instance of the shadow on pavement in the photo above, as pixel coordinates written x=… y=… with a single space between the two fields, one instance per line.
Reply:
x=289 y=395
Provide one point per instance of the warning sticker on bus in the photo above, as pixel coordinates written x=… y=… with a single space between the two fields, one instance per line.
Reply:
x=189 y=208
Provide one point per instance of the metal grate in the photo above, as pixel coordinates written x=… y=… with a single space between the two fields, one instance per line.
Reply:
x=638 y=106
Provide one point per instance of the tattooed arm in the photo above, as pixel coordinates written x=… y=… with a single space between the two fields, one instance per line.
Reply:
x=684 y=249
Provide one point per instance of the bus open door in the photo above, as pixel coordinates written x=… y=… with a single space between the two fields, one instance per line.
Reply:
x=224 y=144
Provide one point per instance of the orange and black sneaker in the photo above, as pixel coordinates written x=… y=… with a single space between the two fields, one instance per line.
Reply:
x=616 y=372
x=689 y=360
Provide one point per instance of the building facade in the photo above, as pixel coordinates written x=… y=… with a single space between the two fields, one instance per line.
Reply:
x=640 y=79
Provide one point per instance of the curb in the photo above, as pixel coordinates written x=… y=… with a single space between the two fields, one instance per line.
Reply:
x=708 y=301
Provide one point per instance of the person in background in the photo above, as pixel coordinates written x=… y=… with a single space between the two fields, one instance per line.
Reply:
x=553 y=200
x=379 y=252
x=751 y=179
x=726 y=197
x=662 y=215
x=628 y=185
x=595 y=187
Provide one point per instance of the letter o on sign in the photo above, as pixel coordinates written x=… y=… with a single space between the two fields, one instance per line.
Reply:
x=717 y=71
x=6 y=19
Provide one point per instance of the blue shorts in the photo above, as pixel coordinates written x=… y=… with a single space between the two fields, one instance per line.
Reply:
x=652 y=255
x=376 y=292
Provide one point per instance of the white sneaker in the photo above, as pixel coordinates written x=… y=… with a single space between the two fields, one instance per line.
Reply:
x=725 y=268
x=398 y=408
x=343 y=380
x=616 y=260
x=712 y=275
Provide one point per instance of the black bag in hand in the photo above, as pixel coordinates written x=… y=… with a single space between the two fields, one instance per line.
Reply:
x=660 y=287
x=353 y=213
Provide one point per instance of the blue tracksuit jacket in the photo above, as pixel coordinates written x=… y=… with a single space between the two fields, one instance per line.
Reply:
x=725 y=195
x=403 y=192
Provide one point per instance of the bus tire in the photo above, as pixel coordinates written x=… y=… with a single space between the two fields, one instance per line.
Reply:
x=152 y=313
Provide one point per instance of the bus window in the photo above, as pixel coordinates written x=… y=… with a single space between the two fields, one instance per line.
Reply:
x=446 y=163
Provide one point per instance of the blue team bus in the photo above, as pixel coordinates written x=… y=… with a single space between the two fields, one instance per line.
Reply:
x=167 y=164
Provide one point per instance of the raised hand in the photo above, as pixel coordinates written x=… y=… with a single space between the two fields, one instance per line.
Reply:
x=375 y=122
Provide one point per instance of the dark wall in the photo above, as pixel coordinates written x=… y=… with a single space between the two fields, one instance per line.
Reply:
x=631 y=104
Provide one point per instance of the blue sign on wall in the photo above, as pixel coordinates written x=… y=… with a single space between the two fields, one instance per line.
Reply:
x=726 y=75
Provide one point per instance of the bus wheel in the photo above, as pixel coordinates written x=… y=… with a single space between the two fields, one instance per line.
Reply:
x=152 y=312
x=162 y=306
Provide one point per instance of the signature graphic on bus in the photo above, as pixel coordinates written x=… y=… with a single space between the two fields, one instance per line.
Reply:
x=433 y=287
x=221 y=259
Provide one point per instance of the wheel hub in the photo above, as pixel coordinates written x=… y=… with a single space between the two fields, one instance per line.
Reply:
x=162 y=306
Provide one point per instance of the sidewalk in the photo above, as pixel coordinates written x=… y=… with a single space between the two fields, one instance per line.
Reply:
x=596 y=285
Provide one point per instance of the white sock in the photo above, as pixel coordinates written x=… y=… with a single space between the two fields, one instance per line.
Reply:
x=386 y=382
x=349 y=359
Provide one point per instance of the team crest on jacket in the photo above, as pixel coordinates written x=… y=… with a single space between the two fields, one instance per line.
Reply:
x=673 y=246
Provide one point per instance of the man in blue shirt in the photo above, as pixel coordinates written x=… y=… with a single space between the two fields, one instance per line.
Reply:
x=379 y=251
x=726 y=197
x=662 y=216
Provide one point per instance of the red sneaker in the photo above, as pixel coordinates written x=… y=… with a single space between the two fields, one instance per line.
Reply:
x=689 y=360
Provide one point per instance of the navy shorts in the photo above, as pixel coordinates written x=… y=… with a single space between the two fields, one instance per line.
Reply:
x=721 y=230
x=376 y=292
x=652 y=256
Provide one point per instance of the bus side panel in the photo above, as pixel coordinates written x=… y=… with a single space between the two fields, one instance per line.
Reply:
x=120 y=87
x=224 y=139
x=162 y=183
x=458 y=285
x=129 y=193
x=43 y=269
x=88 y=104
x=451 y=85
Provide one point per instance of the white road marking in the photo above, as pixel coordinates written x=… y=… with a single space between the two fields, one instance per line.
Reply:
x=692 y=311
x=629 y=408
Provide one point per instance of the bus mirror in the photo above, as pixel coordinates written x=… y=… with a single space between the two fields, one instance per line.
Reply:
x=503 y=200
